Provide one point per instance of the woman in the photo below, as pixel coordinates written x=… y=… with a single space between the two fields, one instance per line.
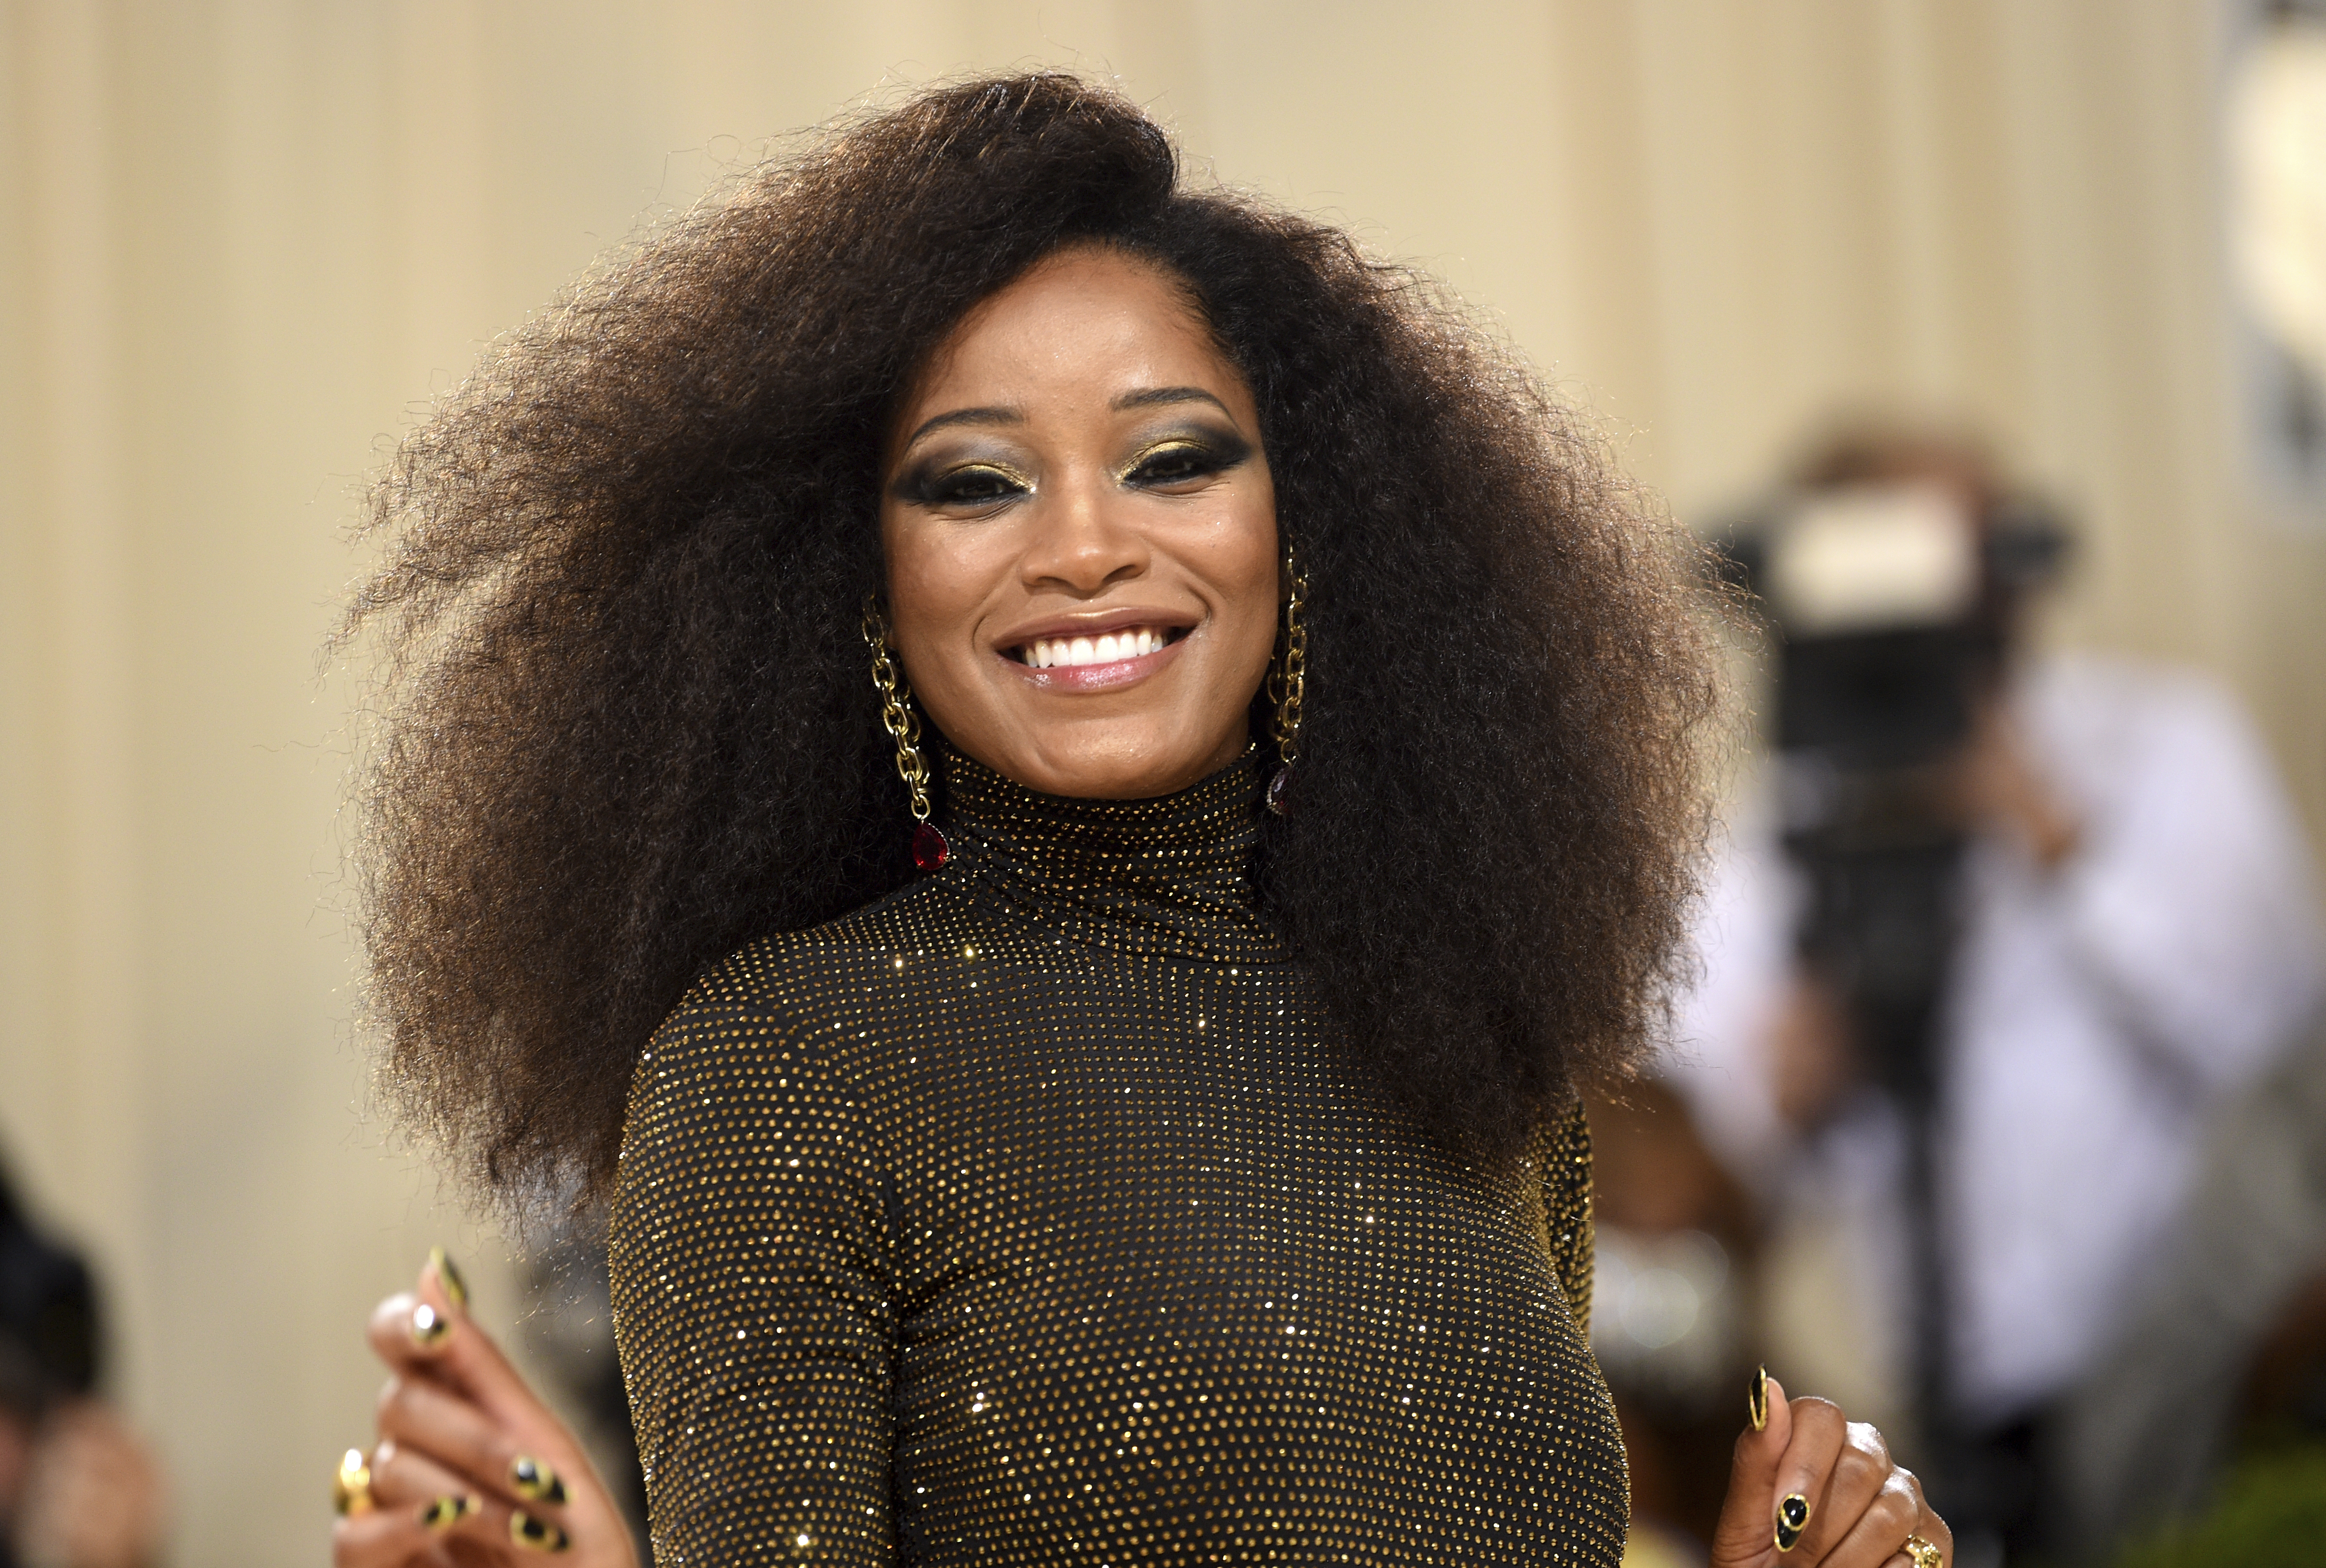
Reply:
x=1149 y=1134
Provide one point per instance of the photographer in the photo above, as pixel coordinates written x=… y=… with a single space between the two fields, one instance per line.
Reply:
x=1978 y=965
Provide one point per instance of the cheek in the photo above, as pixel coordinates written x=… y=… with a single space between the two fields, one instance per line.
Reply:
x=934 y=588
x=1247 y=569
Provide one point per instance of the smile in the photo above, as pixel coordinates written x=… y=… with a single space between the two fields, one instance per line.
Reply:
x=1105 y=648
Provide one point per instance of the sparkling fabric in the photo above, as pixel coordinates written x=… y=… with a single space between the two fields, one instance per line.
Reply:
x=1031 y=1215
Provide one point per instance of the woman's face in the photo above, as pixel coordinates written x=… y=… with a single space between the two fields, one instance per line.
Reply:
x=1080 y=536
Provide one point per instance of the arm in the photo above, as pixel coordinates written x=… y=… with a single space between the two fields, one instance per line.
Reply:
x=2188 y=896
x=1562 y=1151
x=749 y=1243
x=1802 y=1474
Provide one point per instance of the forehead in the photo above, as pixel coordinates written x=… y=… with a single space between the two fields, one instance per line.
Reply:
x=1086 y=322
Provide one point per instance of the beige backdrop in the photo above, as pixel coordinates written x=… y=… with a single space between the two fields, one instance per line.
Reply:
x=242 y=243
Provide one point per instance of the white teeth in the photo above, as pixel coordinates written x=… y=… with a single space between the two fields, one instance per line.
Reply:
x=1047 y=652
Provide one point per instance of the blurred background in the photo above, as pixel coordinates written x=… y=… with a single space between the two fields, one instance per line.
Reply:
x=242 y=243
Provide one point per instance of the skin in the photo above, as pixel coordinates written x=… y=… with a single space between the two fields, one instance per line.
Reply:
x=92 y=1493
x=1079 y=455
x=1095 y=461
x=1862 y=1505
x=453 y=1417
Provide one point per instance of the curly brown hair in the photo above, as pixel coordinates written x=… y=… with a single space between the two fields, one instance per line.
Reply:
x=626 y=723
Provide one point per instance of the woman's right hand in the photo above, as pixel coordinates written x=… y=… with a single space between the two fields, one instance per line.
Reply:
x=1806 y=1477
x=471 y=1468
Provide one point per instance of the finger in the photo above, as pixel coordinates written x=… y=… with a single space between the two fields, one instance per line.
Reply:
x=1858 y=1473
x=417 y=1413
x=398 y=1538
x=1927 y=1525
x=428 y=1329
x=498 y=1528
x=1806 y=1469
x=1877 y=1532
x=1743 y=1533
x=401 y=1475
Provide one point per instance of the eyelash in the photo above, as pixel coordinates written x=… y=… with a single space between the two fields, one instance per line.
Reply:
x=1195 y=460
x=983 y=486
x=979 y=486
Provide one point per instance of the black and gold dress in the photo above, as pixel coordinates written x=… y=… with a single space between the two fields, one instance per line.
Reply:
x=1031 y=1215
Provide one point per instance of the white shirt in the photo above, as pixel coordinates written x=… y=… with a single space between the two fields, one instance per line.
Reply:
x=2096 y=1014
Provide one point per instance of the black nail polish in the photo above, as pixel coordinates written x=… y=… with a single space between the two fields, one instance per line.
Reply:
x=530 y=1479
x=444 y=1513
x=455 y=1286
x=1756 y=1400
x=536 y=1534
x=1792 y=1518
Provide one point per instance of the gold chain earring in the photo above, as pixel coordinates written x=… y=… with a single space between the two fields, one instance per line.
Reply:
x=930 y=850
x=1288 y=684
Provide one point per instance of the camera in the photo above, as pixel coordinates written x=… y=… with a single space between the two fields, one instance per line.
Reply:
x=1892 y=606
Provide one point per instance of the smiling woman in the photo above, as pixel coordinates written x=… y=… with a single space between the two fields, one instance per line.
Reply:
x=1161 y=1180
x=1081 y=535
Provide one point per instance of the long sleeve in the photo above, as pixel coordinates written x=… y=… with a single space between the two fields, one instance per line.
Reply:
x=752 y=1299
x=1562 y=1152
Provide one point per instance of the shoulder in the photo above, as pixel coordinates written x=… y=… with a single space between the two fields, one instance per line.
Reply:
x=2107 y=724
x=2093 y=698
x=1561 y=1146
x=782 y=1001
x=801 y=975
x=769 y=1056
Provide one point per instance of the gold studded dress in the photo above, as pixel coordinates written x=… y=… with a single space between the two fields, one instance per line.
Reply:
x=1031 y=1215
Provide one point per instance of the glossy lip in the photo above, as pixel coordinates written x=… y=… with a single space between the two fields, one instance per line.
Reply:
x=1108 y=677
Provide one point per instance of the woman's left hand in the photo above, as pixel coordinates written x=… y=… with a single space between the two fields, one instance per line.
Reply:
x=1812 y=1488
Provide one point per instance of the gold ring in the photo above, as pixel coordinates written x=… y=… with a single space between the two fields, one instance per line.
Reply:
x=1924 y=1553
x=351 y=1488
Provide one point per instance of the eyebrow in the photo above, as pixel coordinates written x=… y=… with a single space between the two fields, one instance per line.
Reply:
x=1154 y=396
x=1151 y=397
x=967 y=416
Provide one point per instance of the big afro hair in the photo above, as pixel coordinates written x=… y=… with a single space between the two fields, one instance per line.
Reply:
x=625 y=722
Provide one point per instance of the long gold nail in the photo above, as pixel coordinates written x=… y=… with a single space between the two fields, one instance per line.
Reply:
x=445 y=1512
x=1756 y=1400
x=532 y=1479
x=455 y=1286
x=429 y=1326
x=1792 y=1518
x=536 y=1534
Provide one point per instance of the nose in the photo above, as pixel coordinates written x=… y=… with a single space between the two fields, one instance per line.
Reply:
x=1084 y=539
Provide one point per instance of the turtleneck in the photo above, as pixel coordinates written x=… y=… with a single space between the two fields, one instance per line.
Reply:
x=1169 y=876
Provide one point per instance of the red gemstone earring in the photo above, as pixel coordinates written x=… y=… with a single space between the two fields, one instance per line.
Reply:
x=930 y=850
x=1288 y=684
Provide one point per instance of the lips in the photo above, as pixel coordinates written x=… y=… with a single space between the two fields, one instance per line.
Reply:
x=1106 y=647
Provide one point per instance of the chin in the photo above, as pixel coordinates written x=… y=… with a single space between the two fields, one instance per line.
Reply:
x=1115 y=766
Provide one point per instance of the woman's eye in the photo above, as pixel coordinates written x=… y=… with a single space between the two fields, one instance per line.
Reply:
x=976 y=486
x=1175 y=464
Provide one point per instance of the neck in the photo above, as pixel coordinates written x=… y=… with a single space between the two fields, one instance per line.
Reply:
x=1170 y=876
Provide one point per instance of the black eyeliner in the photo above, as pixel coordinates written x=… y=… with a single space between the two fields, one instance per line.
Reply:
x=925 y=485
x=1213 y=451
